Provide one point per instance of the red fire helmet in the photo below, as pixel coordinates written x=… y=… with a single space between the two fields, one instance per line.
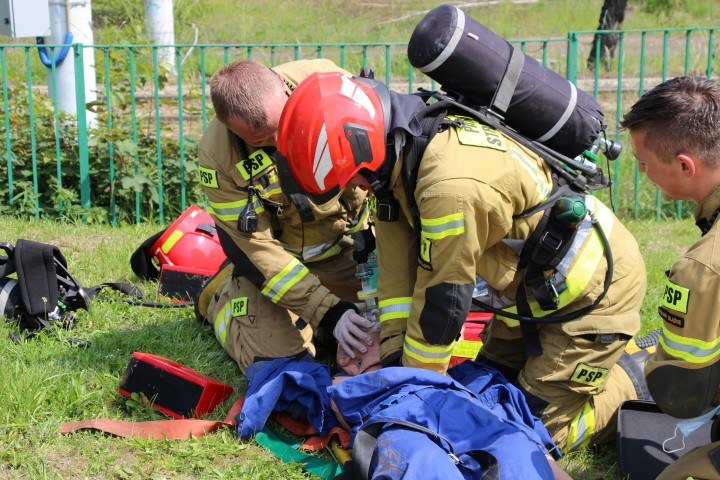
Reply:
x=191 y=243
x=332 y=126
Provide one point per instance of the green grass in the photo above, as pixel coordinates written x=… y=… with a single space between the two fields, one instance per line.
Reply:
x=46 y=381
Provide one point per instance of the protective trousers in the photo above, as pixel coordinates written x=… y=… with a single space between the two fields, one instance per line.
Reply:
x=575 y=386
x=696 y=464
x=252 y=328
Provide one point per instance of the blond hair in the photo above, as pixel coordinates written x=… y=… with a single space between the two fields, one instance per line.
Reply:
x=240 y=90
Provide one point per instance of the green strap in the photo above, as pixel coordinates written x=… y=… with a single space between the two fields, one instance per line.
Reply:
x=285 y=448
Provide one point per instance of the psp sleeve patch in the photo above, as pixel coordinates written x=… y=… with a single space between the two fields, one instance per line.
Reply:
x=239 y=306
x=593 y=376
x=675 y=297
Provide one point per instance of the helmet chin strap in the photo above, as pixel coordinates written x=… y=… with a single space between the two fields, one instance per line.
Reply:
x=388 y=209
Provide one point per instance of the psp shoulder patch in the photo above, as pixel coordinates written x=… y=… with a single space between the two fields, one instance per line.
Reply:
x=675 y=297
x=208 y=177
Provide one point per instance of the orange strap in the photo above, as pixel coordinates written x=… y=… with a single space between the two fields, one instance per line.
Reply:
x=157 y=429
x=187 y=428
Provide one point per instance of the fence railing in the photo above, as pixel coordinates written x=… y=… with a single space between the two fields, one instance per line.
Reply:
x=129 y=155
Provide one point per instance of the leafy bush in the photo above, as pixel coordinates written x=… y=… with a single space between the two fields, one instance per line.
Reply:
x=124 y=173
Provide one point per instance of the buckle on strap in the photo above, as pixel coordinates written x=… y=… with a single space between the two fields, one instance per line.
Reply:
x=545 y=293
x=547 y=248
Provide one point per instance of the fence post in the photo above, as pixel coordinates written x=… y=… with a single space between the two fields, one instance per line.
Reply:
x=571 y=69
x=83 y=154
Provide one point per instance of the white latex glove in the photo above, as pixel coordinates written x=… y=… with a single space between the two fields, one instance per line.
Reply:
x=372 y=314
x=350 y=332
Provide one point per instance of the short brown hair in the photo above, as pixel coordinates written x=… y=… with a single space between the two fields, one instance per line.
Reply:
x=240 y=88
x=681 y=115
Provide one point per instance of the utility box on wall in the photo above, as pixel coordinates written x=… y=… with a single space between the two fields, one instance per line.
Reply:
x=24 y=18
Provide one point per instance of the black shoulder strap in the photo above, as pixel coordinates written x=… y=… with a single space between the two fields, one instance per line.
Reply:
x=430 y=119
x=36 y=268
x=367 y=438
x=302 y=204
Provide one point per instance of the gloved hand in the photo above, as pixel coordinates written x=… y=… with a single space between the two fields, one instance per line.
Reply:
x=350 y=332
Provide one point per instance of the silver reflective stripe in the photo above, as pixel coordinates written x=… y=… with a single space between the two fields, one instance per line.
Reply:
x=581 y=431
x=565 y=116
x=450 y=47
x=426 y=354
x=311 y=252
x=704 y=353
x=583 y=230
x=5 y=294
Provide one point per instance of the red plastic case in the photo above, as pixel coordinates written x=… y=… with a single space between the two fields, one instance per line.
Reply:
x=172 y=388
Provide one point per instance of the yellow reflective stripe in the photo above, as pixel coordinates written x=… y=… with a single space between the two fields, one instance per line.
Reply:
x=232 y=210
x=582 y=429
x=691 y=350
x=424 y=353
x=441 y=227
x=543 y=186
x=467 y=349
x=580 y=274
x=392 y=308
x=362 y=218
x=222 y=319
x=285 y=280
x=171 y=241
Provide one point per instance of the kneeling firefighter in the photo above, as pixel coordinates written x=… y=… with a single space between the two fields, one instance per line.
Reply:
x=459 y=199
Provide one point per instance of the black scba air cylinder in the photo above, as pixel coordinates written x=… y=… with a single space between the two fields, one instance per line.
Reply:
x=468 y=59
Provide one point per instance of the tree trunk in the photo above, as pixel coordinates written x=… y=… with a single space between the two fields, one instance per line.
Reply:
x=612 y=15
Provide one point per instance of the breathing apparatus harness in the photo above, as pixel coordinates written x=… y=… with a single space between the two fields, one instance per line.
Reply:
x=564 y=209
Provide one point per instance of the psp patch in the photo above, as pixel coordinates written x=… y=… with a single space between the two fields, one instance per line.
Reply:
x=675 y=297
x=239 y=306
x=670 y=318
x=593 y=376
x=257 y=162
x=208 y=177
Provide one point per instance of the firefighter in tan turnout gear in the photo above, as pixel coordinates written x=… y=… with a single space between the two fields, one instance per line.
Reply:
x=292 y=275
x=472 y=183
x=675 y=133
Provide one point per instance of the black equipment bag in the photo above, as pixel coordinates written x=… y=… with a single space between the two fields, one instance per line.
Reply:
x=43 y=292
x=44 y=289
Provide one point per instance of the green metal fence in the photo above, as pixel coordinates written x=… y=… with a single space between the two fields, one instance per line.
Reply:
x=130 y=156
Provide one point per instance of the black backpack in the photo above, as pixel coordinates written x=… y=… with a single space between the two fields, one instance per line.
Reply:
x=43 y=292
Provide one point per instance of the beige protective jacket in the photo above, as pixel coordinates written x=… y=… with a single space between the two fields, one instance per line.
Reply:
x=471 y=183
x=683 y=375
x=290 y=231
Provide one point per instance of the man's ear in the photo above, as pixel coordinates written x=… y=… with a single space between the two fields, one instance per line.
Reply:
x=688 y=164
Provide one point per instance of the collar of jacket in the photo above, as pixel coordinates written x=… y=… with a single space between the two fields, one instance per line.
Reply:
x=403 y=121
x=707 y=211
